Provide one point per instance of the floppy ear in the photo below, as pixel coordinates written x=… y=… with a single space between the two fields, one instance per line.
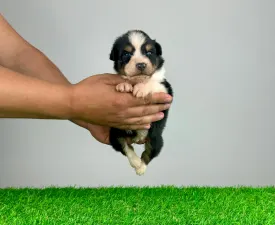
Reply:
x=158 y=48
x=114 y=53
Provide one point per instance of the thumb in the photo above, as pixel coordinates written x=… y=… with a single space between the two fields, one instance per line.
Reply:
x=113 y=79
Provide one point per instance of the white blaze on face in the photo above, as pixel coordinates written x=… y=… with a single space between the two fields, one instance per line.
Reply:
x=137 y=39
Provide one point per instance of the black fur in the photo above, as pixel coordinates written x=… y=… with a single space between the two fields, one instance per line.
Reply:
x=154 y=142
x=117 y=133
x=155 y=139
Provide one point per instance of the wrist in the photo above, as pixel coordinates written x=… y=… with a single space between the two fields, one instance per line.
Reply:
x=26 y=97
x=81 y=123
x=66 y=110
x=76 y=111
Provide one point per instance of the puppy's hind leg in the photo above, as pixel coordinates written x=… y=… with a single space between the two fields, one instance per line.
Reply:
x=119 y=143
x=133 y=159
x=152 y=149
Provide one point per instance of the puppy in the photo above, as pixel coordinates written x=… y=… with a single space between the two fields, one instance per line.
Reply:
x=138 y=59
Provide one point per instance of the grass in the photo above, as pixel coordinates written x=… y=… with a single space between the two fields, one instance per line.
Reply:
x=132 y=205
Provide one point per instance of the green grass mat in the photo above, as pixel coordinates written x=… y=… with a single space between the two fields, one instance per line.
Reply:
x=130 y=205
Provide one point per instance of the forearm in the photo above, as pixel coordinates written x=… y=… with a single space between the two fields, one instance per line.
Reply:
x=19 y=55
x=26 y=97
x=33 y=62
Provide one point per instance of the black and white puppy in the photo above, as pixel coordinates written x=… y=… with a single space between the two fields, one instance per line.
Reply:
x=138 y=59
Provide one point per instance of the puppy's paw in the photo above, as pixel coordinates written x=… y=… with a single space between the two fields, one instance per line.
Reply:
x=124 y=87
x=140 y=90
x=141 y=169
x=135 y=162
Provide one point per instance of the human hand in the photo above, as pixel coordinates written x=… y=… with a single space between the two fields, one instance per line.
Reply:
x=100 y=133
x=95 y=100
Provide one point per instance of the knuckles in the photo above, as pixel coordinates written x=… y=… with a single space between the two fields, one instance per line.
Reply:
x=139 y=121
x=145 y=111
x=121 y=115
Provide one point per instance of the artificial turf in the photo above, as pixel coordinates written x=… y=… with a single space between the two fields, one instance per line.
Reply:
x=132 y=205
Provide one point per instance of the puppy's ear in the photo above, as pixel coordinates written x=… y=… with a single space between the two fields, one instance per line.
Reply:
x=158 y=48
x=114 y=53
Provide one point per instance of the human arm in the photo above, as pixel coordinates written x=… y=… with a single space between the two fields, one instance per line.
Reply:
x=26 y=97
x=19 y=55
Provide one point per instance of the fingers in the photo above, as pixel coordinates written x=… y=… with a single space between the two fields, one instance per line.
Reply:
x=141 y=117
x=160 y=98
x=156 y=98
x=111 y=79
x=145 y=119
x=142 y=111
x=138 y=123
x=134 y=127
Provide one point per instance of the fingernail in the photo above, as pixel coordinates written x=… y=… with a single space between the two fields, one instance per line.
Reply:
x=160 y=115
x=167 y=106
x=147 y=126
x=168 y=98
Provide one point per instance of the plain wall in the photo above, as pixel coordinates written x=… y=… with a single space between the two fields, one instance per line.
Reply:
x=220 y=60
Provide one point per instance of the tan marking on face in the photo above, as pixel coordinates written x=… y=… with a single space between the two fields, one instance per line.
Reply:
x=148 y=47
x=131 y=69
x=128 y=48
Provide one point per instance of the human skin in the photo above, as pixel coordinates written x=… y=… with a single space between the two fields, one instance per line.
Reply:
x=32 y=86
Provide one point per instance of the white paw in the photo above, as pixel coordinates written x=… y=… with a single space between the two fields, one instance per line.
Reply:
x=140 y=90
x=124 y=87
x=141 y=170
x=135 y=162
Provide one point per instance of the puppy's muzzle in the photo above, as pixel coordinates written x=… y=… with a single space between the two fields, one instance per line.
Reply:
x=141 y=66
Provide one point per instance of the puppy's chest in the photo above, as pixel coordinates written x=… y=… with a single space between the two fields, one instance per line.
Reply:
x=155 y=86
x=143 y=89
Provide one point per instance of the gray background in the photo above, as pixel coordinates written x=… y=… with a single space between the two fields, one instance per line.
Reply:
x=220 y=60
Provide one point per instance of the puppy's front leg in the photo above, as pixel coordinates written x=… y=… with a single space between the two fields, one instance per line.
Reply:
x=144 y=89
x=141 y=90
x=124 y=87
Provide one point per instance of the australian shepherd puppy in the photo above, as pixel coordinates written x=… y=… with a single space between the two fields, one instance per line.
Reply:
x=138 y=59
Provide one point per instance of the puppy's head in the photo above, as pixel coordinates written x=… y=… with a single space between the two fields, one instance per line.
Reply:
x=135 y=53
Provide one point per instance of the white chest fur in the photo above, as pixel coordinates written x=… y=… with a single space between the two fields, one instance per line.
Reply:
x=151 y=85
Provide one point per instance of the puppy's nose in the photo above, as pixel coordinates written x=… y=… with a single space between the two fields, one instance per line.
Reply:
x=141 y=66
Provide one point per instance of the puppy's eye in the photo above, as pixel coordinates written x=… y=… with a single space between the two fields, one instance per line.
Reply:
x=127 y=54
x=149 y=53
